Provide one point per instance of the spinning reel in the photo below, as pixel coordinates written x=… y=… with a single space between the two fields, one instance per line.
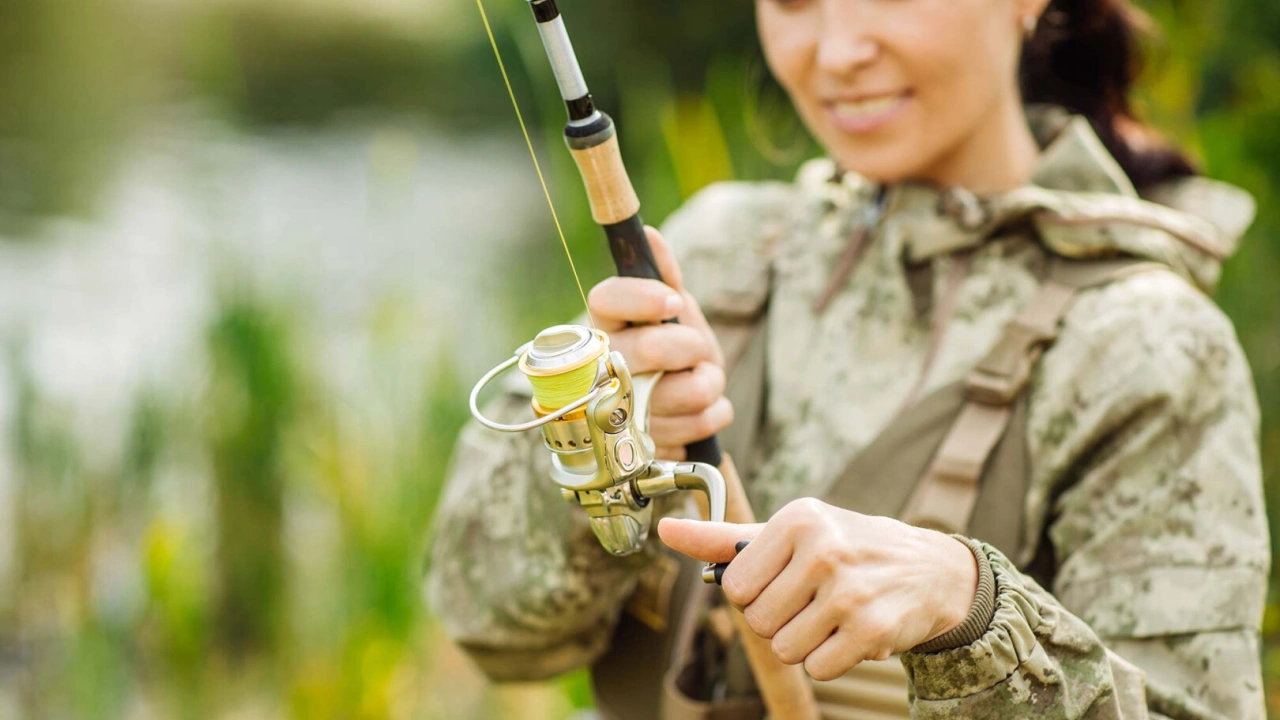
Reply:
x=594 y=419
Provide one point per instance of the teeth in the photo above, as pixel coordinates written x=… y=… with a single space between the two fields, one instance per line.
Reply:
x=866 y=108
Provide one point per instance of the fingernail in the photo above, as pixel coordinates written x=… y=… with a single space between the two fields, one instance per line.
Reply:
x=674 y=304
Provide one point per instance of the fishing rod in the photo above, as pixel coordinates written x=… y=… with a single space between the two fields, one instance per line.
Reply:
x=593 y=414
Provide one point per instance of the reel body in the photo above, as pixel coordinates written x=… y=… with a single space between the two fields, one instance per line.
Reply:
x=594 y=420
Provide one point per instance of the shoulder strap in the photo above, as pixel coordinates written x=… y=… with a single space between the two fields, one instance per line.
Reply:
x=745 y=347
x=946 y=495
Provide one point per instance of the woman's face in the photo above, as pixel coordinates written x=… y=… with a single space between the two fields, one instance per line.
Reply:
x=896 y=89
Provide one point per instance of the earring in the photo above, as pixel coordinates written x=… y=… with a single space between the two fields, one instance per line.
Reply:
x=1029 y=24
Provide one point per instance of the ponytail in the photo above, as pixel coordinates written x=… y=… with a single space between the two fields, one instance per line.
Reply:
x=1086 y=56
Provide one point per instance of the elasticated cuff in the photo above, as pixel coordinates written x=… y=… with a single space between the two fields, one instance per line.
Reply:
x=1009 y=640
x=981 y=612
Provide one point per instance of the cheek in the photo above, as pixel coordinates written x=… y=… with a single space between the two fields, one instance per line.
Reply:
x=788 y=50
x=954 y=61
x=963 y=70
x=953 y=93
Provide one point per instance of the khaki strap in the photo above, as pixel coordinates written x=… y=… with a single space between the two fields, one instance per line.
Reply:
x=746 y=360
x=945 y=498
x=1053 y=207
x=947 y=494
x=844 y=267
x=943 y=314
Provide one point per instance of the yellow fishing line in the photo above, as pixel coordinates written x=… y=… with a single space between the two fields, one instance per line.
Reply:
x=555 y=391
x=536 y=165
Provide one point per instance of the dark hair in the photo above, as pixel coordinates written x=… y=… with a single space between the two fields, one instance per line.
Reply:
x=1086 y=55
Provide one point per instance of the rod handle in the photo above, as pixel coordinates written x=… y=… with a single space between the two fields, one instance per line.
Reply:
x=615 y=206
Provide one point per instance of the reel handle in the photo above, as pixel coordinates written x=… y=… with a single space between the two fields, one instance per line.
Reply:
x=715 y=573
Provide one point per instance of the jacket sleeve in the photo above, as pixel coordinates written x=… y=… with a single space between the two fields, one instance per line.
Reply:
x=1143 y=437
x=516 y=575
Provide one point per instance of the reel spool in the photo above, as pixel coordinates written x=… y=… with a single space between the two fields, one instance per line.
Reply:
x=594 y=419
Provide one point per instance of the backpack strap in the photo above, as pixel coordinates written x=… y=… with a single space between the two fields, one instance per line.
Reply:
x=746 y=360
x=947 y=494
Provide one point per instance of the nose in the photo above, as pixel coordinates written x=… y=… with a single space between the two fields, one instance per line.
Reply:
x=846 y=43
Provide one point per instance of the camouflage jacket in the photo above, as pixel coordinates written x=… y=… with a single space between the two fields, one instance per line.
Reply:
x=1142 y=429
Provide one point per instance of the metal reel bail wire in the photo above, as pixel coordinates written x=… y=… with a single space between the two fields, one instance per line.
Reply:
x=601 y=454
x=532 y=424
x=559 y=359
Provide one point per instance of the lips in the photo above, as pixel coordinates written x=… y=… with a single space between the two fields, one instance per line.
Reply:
x=867 y=114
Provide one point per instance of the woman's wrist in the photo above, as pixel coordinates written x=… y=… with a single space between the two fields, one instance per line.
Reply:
x=973 y=588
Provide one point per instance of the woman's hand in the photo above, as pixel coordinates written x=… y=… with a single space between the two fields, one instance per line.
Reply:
x=686 y=406
x=832 y=588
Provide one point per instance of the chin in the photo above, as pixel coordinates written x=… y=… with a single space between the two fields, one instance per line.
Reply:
x=884 y=162
x=877 y=169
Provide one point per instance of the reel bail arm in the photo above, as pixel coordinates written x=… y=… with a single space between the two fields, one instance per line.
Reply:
x=601 y=454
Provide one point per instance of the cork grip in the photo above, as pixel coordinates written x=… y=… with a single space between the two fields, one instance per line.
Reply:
x=613 y=199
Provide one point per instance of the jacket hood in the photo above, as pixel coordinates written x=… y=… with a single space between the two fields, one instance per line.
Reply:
x=1207 y=221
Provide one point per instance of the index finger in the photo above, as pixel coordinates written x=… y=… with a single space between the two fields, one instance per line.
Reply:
x=618 y=302
x=749 y=571
x=706 y=541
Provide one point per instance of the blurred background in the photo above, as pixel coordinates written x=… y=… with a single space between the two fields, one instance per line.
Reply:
x=253 y=253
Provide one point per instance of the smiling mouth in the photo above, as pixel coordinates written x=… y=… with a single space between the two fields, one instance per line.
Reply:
x=863 y=109
x=868 y=114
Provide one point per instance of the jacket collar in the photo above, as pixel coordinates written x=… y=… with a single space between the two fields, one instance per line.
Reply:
x=1075 y=175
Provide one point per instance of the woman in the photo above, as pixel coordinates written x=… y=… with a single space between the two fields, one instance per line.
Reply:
x=980 y=152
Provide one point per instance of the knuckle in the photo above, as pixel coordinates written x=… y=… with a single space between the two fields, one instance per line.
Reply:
x=804 y=511
x=733 y=588
x=647 y=349
x=877 y=633
x=705 y=423
x=702 y=391
x=851 y=593
x=784 y=651
x=727 y=414
x=690 y=346
x=714 y=418
x=821 y=565
x=715 y=377
x=758 y=620
x=600 y=293
x=821 y=669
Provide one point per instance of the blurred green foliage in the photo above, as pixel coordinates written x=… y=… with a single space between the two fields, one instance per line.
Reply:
x=281 y=578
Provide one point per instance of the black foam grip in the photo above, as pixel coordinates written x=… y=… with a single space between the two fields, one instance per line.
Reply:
x=630 y=248
x=721 y=567
x=634 y=258
x=705 y=451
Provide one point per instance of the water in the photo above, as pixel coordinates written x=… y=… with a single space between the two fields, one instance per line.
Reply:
x=380 y=237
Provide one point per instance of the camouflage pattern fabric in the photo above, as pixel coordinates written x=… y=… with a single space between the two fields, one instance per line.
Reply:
x=1142 y=430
